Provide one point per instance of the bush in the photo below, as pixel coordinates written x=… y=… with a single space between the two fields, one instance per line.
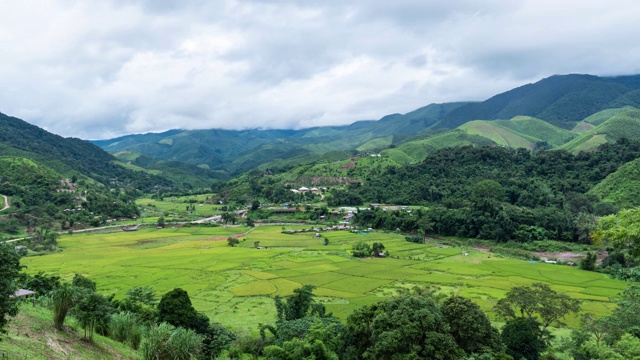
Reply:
x=165 y=342
x=124 y=327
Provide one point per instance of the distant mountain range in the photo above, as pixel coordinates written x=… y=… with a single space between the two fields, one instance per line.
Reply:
x=562 y=111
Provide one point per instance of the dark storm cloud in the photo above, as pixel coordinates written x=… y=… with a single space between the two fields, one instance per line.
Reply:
x=98 y=69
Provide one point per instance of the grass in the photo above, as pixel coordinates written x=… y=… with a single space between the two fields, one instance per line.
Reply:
x=235 y=285
x=31 y=336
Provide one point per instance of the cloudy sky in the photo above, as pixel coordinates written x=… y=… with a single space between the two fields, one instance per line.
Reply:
x=99 y=69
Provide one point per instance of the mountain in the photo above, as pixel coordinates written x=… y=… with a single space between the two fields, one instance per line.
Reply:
x=235 y=151
x=559 y=99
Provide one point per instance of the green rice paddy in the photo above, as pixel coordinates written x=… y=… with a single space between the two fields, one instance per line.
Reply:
x=235 y=286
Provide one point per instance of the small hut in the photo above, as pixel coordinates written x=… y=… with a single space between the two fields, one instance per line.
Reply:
x=24 y=293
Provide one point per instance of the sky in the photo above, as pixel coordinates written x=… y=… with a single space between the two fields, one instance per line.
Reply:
x=101 y=69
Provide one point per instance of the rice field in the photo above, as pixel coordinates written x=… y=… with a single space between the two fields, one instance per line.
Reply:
x=235 y=285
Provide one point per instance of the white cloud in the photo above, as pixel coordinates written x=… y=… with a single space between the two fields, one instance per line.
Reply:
x=98 y=69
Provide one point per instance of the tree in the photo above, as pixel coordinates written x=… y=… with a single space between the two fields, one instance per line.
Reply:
x=44 y=238
x=9 y=272
x=229 y=217
x=62 y=300
x=175 y=308
x=589 y=262
x=487 y=194
x=142 y=294
x=231 y=241
x=161 y=222
x=521 y=339
x=621 y=230
x=80 y=281
x=91 y=310
x=42 y=283
x=404 y=327
x=537 y=302
x=626 y=316
x=469 y=326
x=297 y=305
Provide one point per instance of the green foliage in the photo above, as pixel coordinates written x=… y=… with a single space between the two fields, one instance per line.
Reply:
x=125 y=327
x=535 y=195
x=42 y=283
x=363 y=249
x=82 y=282
x=537 y=302
x=91 y=310
x=589 y=262
x=469 y=326
x=9 y=271
x=231 y=241
x=300 y=349
x=621 y=188
x=298 y=305
x=62 y=299
x=626 y=316
x=175 y=308
x=166 y=342
x=621 y=230
x=522 y=339
x=401 y=327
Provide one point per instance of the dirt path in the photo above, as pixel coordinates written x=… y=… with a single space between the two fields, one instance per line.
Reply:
x=6 y=203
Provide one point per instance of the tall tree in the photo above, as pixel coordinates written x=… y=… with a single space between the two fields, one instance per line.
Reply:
x=9 y=271
x=175 y=308
x=537 y=302
x=469 y=326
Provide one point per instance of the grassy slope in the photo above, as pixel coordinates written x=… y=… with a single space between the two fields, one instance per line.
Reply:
x=520 y=132
x=537 y=129
x=622 y=187
x=235 y=285
x=498 y=134
x=31 y=336
x=624 y=124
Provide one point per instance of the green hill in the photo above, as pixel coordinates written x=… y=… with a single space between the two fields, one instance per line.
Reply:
x=558 y=99
x=63 y=183
x=519 y=132
x=625 y=124
x=622 y=187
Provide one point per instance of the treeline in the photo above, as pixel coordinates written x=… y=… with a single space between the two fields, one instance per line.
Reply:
x=494 y=193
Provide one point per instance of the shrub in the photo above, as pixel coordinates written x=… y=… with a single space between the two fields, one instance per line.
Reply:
x=124 y=327
x=165 y=342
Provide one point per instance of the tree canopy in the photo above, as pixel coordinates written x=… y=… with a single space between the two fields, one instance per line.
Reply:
x=9 y=271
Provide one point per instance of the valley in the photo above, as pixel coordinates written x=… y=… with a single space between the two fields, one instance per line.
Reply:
x=235 y=285
x=255 y=232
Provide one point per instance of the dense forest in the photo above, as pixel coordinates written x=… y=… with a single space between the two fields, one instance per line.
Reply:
x=486 y=192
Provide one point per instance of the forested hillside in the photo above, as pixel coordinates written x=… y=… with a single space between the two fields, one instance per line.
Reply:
x=486 y=192
x=63 y=183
